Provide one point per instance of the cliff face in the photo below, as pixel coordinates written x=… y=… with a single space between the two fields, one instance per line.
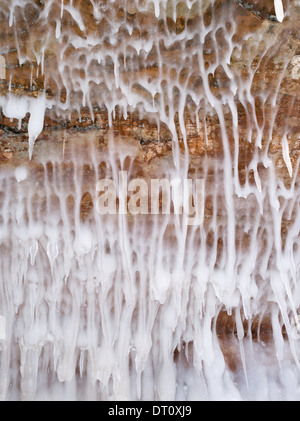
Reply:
x=98 y=62
x=200 y=89
x=221 y=75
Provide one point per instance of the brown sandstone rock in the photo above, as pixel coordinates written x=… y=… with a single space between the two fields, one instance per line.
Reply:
x=274 y=70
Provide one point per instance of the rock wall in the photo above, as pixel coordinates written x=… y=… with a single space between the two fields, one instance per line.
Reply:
x=44 y=53
x=216 y=82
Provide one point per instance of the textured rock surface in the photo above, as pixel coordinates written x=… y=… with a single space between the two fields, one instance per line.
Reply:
x=40 y=58
x=32 y=54
x=31 y=50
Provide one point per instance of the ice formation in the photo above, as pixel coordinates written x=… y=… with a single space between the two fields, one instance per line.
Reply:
x=2 y=68
x=279 y=10
x=21 y=173
x=118 y=308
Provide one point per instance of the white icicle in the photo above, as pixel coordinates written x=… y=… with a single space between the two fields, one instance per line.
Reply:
x=279 y=10
x=36 y=120
x=2 y=67
x=286 y=155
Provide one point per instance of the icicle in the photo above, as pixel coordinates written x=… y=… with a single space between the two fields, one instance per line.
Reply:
x=36 y=121
x=286 y=155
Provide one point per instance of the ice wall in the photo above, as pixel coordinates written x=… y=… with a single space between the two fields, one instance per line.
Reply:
x=120 y=308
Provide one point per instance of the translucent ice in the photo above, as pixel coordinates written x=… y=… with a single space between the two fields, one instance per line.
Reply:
x=21 y=173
